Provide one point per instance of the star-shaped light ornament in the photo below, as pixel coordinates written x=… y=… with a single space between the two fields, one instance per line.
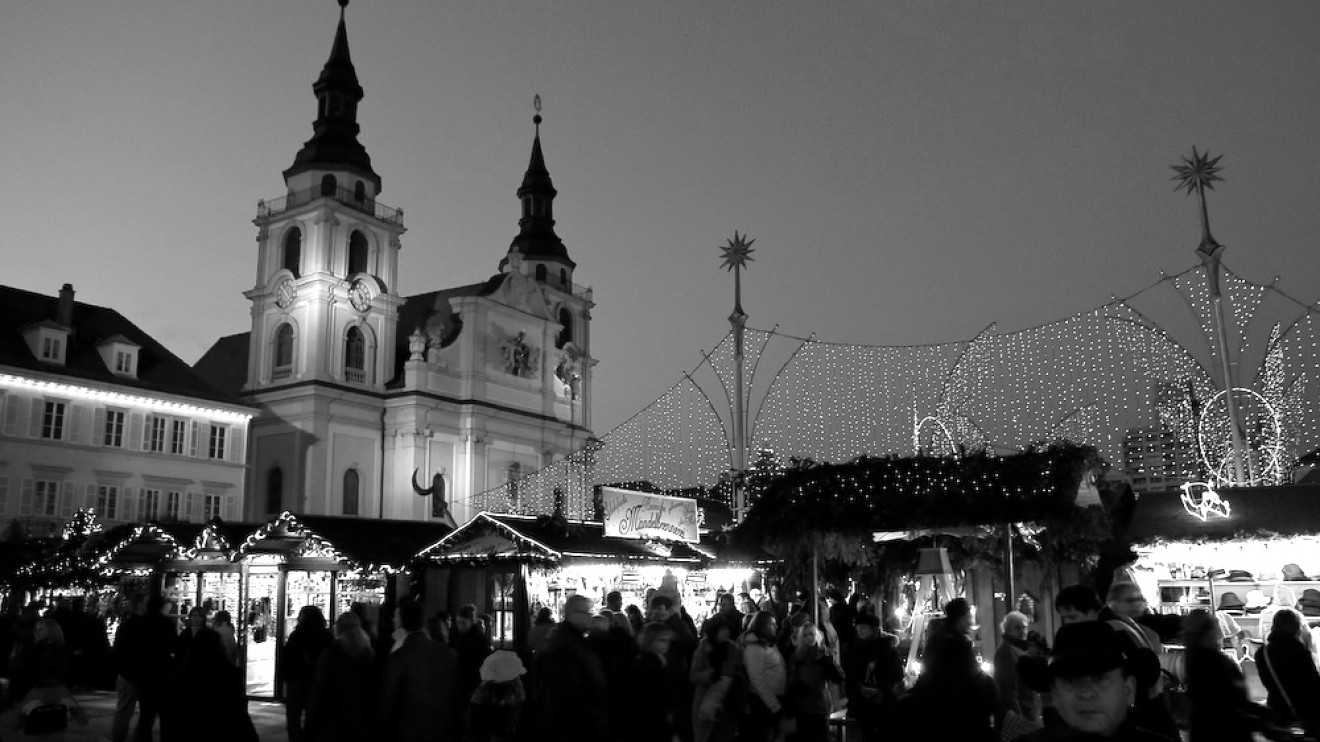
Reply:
x=738 y=253
x=1197 y=173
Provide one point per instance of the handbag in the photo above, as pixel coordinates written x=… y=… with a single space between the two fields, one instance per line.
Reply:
x=47 y=718
x=1292 y=710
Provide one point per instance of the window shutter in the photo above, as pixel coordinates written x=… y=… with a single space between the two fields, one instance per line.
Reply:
x=67 y=496
x=25 y=495
x=35 y=408
x=146 y=432
x=89 y=499
x=11 y=415
x=133 y=435
x=230 y=513
x=75 y=423
x=192 y=444
x=189 y=503
x=128 y=504
x=4 y=495
x=98 y=427
x=237 y=441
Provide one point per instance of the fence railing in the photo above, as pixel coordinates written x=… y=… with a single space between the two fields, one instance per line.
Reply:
x=369 y=206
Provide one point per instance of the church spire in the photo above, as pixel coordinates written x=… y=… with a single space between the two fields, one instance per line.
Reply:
x=536 y=238
x=334 y=144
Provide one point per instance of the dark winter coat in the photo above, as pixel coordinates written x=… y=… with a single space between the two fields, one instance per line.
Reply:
x=1286 y=658
x=651 y=700
x=1221 y=711
x=341 y=706
x=810 y=671
x=420 y=702
x=570 y=700
x=207 y=701
x=1014 y=695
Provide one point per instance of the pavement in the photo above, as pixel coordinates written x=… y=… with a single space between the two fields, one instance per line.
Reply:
x=267 y=716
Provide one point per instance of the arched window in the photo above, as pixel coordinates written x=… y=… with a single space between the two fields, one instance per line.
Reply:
x=540 y=273
x=566 y=333
x=360 y=192
x=355 y=355
x=351 y=492
x=440 y=498
x=563 y=278
x=329 y=185
x=283 y=366
x=275 y=489
x=292 y=257
x=357 y=253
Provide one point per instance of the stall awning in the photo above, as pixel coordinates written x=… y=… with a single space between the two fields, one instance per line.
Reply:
x=1253 y=512
x=526 y=538
x=360 y=543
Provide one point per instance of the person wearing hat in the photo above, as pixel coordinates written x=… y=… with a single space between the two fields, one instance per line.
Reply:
x=872 y=675
x=497 y=701
x=1092 y=678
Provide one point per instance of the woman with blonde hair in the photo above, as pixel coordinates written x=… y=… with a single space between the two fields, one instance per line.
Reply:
x=811 y=668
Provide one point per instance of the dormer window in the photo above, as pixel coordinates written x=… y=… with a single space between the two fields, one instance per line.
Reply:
x=120 y=355
x=48 y=341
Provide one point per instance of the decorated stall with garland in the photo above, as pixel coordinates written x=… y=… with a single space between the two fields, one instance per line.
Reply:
x=912 y=532
x=329 y=562
x=1242 y=553
x=510 y=566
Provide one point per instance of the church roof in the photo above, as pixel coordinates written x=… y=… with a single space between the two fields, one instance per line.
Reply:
x=536 y=230
x=158 y=370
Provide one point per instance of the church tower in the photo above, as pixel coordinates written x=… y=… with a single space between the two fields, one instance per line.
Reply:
x=324 y=314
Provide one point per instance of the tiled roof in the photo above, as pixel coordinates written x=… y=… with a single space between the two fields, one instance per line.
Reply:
x=1254 y=511
x=224 y=364
x=158 y=371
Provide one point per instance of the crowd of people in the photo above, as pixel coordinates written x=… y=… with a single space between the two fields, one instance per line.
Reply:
x=755 y=671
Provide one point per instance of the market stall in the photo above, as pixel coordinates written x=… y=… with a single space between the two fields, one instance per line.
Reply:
x=1241 y=553
x=511 y=565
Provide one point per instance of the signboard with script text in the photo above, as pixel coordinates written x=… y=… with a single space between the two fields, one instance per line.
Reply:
x=641 y=515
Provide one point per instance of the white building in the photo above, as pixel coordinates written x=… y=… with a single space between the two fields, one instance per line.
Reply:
x=97 y=414
x=361 y=387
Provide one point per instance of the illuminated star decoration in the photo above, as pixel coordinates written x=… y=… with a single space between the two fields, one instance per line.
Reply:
x=738 y=253
x=1197 y=173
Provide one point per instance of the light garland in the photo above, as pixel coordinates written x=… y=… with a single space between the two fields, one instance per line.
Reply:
x=172 y=407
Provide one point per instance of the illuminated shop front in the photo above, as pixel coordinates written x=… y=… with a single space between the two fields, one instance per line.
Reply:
x=1244 y=552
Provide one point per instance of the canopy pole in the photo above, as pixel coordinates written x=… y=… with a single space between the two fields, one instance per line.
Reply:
x=1011 y=599
x=815 y=581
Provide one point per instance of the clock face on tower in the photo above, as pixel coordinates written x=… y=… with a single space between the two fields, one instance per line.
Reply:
x=359 y=294
x=285 y=293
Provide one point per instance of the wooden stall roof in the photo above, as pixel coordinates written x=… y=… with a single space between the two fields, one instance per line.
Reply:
x=1255 y=512
x=545 y=539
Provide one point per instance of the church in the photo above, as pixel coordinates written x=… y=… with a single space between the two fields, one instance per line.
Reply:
x=379 y=405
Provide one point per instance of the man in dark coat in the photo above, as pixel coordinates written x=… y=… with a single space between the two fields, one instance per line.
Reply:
x=678 y=661
x=151 y=644
x=129 y=654
x=872 y=676
x=470 y=643
x=420 y=702
x=952 y=687
x=570 y=698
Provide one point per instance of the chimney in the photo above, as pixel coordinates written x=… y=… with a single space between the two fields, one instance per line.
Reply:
x=64 y=315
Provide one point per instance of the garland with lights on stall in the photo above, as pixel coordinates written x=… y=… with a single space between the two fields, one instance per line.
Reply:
x=72 y=561
x=831 y=511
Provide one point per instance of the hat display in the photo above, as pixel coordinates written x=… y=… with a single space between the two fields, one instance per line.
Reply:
x=1231 y=602
x=501 y=666
x=1240 y=575
x=1309 y=603
x=1256 y=601
x=1293 y=573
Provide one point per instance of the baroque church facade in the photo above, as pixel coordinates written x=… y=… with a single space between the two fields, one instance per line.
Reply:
x=379 y=405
